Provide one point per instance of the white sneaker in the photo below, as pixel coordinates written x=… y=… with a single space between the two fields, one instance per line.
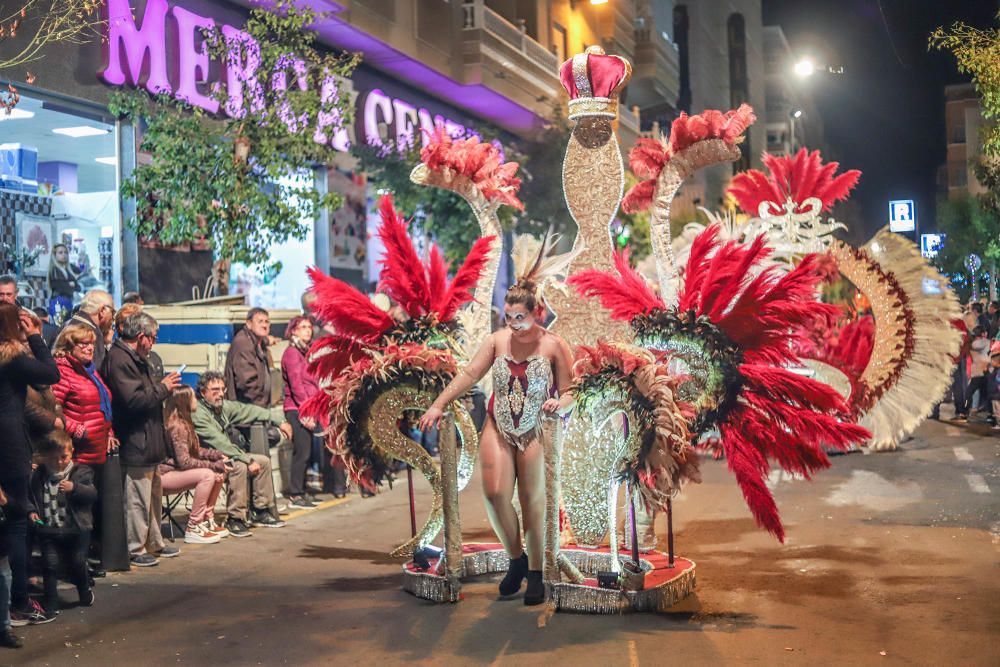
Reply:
x=200 y=535
x=216 y=528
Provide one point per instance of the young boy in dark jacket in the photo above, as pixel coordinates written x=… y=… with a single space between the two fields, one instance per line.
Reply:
x=62 y=497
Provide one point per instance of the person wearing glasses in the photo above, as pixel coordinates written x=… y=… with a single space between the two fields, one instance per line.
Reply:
x=97 y=311
x=86 y=407
x=137 y=415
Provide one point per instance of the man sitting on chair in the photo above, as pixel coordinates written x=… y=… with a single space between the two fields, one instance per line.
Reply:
x=216 y=425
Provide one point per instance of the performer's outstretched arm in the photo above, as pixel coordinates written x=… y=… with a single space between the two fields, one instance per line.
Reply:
x=468 y=376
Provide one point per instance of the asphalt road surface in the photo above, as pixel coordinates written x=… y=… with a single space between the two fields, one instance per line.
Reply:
x=890 y=559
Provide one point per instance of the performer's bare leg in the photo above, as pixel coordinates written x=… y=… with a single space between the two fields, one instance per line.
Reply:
x=531 y=493
x=497 y=459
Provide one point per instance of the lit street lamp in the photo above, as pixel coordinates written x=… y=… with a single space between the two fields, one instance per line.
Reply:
x=806 y=68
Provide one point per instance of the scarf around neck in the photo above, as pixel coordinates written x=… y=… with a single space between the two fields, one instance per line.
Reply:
x=91 y=372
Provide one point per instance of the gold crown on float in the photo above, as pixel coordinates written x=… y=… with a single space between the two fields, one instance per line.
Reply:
x=594 y=80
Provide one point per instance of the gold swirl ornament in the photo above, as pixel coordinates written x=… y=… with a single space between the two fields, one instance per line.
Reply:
x=382 y=427
x=595 y=451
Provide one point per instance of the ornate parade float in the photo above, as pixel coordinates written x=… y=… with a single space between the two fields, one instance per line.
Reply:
x=729 y=352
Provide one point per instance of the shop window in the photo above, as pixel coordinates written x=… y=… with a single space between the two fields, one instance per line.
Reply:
x=265 y=287
x=66 y=157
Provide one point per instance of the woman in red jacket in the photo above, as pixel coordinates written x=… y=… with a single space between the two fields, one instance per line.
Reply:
x=299 y=387
x=85 y=399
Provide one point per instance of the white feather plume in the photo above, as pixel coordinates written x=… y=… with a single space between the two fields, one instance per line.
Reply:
x=927 y=374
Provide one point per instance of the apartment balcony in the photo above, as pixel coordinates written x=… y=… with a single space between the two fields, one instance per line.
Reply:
x=656 y=75
x=501 y=56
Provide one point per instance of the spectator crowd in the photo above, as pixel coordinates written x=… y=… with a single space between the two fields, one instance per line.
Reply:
x=975 y=382
x=98 y=435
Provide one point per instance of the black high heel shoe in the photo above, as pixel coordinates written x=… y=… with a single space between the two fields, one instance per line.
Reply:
x=516 y=571
x=535 y=593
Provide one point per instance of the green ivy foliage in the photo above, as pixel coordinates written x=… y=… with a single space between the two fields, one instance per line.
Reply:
x=195 y=188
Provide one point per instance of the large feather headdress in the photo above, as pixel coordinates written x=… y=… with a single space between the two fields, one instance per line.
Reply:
x=536 y=268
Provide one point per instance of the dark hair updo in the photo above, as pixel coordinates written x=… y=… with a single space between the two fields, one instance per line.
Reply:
x=525 y=293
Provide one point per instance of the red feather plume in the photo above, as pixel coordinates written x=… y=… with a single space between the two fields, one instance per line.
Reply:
x=624 y=295
x=349 y=311
x=458 y=292
x=649 y=156
x=437 y=277
x=403 y=276
x=797 y=178
x=776 y=415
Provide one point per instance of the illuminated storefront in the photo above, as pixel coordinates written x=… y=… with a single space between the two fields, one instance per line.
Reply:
x=82 y=156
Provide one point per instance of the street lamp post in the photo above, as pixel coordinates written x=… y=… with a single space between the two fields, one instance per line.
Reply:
x=793 y=115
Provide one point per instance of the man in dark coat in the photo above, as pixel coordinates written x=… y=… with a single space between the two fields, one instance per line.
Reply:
x=248 y=363
x=137 y=409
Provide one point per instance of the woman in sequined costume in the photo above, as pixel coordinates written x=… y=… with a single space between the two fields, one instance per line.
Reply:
x=532 y=375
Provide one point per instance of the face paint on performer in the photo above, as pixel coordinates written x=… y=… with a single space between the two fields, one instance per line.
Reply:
x=518 y=318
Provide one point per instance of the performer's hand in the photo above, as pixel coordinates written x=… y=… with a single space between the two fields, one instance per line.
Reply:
x=551 y=406
x=431 y=418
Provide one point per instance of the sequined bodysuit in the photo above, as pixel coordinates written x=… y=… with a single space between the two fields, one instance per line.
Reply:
x=519 y=390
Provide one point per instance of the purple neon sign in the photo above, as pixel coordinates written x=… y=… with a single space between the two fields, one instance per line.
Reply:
x=129 y=46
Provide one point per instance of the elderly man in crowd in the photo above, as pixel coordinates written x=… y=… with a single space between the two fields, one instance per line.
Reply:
x=216 y=421
x=137 y=409
x=97 y=311
x=8 y=289
x=248 y=363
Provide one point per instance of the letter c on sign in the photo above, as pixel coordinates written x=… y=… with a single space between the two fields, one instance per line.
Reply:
x=376 y=102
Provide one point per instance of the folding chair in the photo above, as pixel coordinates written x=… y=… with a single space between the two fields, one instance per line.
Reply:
x=170 y=503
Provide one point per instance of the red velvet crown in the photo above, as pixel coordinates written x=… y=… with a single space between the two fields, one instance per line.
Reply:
x=593 y=81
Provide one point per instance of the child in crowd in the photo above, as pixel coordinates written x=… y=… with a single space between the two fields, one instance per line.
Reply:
x=62 y=495
x=979 y=370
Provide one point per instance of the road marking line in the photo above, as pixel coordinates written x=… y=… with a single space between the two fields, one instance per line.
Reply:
x=962 y=453
x=501 y=654
x=977 y=483
x=633 y=654
x=322 y=506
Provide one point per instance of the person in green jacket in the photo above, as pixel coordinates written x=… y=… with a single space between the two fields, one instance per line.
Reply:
x=215 y=423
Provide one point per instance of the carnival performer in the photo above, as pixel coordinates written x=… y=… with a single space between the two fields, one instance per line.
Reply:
x=532 y=374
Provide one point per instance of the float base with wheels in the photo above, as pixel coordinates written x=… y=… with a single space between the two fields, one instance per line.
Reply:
x=663 y=586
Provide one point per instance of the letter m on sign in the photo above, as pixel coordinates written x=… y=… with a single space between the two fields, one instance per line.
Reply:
x=127 y=42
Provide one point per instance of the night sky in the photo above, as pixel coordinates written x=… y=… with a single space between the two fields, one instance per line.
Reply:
x=885 y=114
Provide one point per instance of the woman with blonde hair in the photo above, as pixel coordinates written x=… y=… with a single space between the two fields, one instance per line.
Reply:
x=188 y=467
x=85 y=399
